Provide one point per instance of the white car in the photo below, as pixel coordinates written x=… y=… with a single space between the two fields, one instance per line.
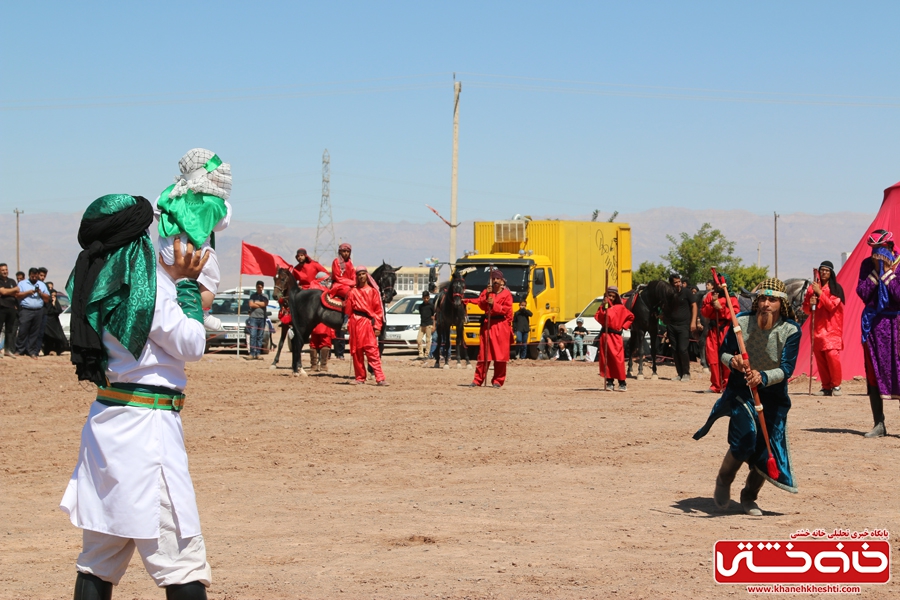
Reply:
x=402 y=323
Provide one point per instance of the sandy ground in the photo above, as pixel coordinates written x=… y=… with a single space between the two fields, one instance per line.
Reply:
x=547 y=488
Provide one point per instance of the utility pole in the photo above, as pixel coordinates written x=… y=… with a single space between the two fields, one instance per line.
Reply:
x=758 y=246
x=325 y=230
x=457 y=88
x=18 y=212
x=776 y=244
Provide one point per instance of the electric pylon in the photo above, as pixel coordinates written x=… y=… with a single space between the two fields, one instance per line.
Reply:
x=325 y=244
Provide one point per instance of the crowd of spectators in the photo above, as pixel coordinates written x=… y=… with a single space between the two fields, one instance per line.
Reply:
x=29 y=314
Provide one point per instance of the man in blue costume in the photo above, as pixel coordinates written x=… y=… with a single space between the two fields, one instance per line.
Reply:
x=772 y=339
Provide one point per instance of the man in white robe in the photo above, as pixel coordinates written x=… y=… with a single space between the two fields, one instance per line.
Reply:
x=133 y=330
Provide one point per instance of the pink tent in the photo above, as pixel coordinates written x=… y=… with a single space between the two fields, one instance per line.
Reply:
x=852 y=362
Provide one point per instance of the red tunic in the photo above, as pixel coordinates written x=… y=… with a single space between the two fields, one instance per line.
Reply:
x=719 y=317
x=617 y=318
x=305 y=274
x=342 y=279
x=362 y=304
x=496 y=326
x=829 y=333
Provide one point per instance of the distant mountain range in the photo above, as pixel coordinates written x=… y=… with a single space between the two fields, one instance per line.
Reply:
x=804 y=240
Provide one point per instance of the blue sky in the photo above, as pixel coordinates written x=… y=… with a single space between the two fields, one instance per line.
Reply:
x=565 y=107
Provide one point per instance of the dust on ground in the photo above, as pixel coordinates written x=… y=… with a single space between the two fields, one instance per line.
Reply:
x=546 y=488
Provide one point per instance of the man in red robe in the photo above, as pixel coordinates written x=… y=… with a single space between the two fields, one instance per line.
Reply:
x=307 y=269
x=496 y=330
x=343 y=275
x=365 y=320
x=716 y=310
x=615 y=318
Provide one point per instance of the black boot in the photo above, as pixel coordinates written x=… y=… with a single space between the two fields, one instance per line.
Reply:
x=728 y=470
x=186 y=591
x=877 y=405
x=91 y=587
x=750 y=492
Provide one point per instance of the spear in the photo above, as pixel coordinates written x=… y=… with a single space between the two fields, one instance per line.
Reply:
x=604 y=339
x=771 y=465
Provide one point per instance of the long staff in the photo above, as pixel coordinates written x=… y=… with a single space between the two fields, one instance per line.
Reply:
x=771 y=465
x=486 y=328
x=812 y=328
x=604 y=338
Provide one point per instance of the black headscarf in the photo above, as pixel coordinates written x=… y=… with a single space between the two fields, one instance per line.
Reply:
x=100 y=235
x=836 y=290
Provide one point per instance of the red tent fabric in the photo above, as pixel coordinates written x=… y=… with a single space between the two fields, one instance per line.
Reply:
x=852 y=362
x=256 y=261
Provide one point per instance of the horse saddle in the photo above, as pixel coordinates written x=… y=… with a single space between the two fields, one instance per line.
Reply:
x=332 y=302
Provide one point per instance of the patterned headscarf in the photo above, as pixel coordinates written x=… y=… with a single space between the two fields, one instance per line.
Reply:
x=203 y=171
x=775 y=288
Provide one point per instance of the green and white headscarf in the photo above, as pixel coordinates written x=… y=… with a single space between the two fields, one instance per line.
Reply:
x=195 y=203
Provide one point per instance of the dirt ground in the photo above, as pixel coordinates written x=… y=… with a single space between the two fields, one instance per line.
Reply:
x=546 y=488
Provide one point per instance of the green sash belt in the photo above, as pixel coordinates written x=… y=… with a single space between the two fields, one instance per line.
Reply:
x=144 y=396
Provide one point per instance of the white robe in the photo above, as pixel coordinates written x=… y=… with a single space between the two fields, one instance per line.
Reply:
x=124 y=449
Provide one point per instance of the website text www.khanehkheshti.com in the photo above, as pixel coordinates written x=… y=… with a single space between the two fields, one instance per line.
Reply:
x=803 y=588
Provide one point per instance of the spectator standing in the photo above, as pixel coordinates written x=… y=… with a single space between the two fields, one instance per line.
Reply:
x=8 y=313
x=20 y=276
x=426 y=325
x=42 y=276
x=578 y=335
x=257 y=321
x=31 y=296
x=683 y=318
x=522 y=327
x=54 y=339
x=828 y=338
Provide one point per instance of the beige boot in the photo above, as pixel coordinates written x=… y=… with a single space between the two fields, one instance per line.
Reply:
x=313 y=359
x=727 y=472
x=324 y=353
x=750 y=492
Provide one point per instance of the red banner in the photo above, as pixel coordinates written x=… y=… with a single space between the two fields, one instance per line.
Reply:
x=256 y=261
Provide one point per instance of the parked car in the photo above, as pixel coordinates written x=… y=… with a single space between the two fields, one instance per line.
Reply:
x=402 y=323
x=225 y=308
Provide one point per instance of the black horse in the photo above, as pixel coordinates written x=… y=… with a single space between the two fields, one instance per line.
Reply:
x=450 y=312
x=647 y=302
x=307 y=310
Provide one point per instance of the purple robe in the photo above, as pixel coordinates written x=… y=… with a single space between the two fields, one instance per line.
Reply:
x=883 y=343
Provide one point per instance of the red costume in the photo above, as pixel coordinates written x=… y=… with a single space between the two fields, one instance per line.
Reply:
x=828 y=338
x=616 y=319
x=343 y=277
x=321 y=337
x=366 y=314
x=305 y=272
x=719 y=317
x=496 y=335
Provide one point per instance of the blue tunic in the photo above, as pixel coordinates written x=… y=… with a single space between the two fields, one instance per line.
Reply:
x=774 y=354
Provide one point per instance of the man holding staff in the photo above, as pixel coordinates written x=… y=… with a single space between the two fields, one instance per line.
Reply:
x=772 y=340
x=365 y=314
x=828 y=340
x=496 y=330
x=616 y=318
x=134 y=325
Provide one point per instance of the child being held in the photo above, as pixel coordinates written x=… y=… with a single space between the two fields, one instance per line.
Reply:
x=195 y=207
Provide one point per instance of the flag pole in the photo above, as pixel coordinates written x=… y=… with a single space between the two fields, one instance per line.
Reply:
x=240 y=293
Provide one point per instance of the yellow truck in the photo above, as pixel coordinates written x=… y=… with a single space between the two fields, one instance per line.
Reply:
x=558 y=267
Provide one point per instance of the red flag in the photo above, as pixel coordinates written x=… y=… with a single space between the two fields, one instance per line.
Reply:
x=256 y=261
